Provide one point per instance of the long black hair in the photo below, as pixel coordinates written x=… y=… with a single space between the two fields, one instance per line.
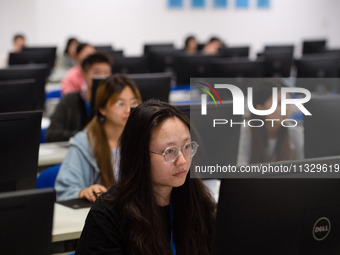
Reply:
x=193 y=207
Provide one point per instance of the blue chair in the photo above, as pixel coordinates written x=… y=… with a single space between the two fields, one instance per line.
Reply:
x=46 y=178
x=53 y=94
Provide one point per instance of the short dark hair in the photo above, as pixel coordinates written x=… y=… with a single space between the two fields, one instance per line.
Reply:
x=94 y=58
x=17 y=36
x=81 y=46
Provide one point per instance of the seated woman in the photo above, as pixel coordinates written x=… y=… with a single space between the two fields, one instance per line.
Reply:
x=191 y=45
x=91 y=163
x=155 y=208
x=271 y=142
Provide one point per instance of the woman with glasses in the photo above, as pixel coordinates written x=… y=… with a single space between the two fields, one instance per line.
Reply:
x=155 y=208
x=91 y=164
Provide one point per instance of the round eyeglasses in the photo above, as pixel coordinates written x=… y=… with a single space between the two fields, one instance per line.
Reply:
x=170 y=153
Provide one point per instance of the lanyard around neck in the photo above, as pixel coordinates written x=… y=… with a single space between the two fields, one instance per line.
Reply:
x=171 y=221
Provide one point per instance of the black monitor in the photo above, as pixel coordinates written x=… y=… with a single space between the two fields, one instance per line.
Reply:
x=162 y=60
x=34 y=55
x=26 y=219
x=95 y=83
x=280 y=48
x=20 y=95
x=153 y=85
x=234 y=52
x=157 y=46
x=322 y=134
x=318 y=66
x=20 y=139
x=191 y=66
x=37 y=72
x=103 y=48
x=216 y=145
x=130 y=65
x=240 y=68
x=313 y=46
x=278 y=63
x=114 y=53
x=279 y=216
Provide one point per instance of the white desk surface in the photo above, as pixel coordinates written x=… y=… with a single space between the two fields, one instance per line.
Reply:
x=52 y=153
x=67 y=222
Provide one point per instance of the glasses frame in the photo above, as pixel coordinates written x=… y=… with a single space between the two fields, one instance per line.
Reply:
x=179 y=149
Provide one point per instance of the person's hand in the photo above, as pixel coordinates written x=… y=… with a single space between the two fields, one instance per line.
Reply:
x=91 y=193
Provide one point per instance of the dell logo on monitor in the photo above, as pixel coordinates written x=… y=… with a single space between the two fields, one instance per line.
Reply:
x=321 y=228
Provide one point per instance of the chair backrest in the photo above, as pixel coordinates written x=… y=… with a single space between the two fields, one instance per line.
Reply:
x=47 y=177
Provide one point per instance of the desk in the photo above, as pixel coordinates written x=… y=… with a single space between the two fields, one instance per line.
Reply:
x=67 y=222
x=52 y=153
x=67 y=226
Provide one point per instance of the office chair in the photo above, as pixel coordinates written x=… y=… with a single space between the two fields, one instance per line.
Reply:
x=47 y=177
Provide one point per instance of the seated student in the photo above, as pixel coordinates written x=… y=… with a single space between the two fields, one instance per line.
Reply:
x=155 y=208
x=92 y=160
x=212 y=47
x=70 y=52
x=19 y=42
x=74 y=79
x=66 y=60
x=72 y=113
x=191 y=45
x=271 y=142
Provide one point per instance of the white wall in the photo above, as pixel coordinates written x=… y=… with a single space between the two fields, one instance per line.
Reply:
x=127 y=24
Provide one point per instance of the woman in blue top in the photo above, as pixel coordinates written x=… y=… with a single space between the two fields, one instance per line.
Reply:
x=90 y=166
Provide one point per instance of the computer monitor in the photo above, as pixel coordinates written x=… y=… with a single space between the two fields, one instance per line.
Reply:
x=238 y=68
x=34 y=55
x=216 y=145
x=114 y=53
x=297 y=216
x=130 y=65
x=157 y=46
x=318 y=66
x=20 y=139
x=103 y=48
x=20 y=95
x=321 y=130
x=191 y=66
x=26 y=219
x=277 y=63
x=162 y=60
x=313 y=46
x=280 y=48
x=38 y=72
x=152 y=85
x=234 y=52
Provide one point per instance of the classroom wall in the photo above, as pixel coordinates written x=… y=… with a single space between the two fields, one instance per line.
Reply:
x=128 y=24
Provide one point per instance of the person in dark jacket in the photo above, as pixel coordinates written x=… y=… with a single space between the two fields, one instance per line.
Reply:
x=154 y=207
x=72 y=113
